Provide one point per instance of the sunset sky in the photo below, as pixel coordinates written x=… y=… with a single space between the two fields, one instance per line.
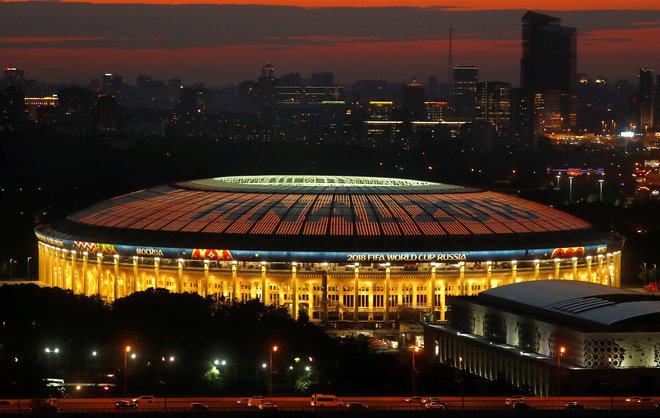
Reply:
x=223 y=43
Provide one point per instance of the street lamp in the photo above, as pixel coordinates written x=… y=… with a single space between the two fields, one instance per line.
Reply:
x=558 y=178
x=460 y=362
x=609 y=361
x=414 y=350
x=570 y=190
x=561 y=352
x=11 y=263
x=168 y=362
x=270 y=370
x=28 y=267
x=600 y=183
x=126 y=351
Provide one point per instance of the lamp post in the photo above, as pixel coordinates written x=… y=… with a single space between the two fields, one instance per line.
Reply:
x=560 y=353
x=460 y=362
x=168 y=362
x=609 y=361
x=600 y=184
x=558 y=178
x=126 y=351
x=414 y=350
x=570 y=190
x=28 y=267
x=270 y=370
x=11 y=263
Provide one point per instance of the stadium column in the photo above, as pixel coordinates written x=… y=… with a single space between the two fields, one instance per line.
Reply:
x=157 y=272
x=574 y=266
x=205 y=281
x=601 y=278
x=430 y=298
x=264 y=284
x=99 y=273
x=537 y=269
x=489 y=274
x=84 y=271
x=431 y=302
x=461 y=279
x=356 y=281
x=414 y=294
x=442 y=300
x=74 y=273
x=386 y=302
x=514 y=271
x=135 y=274
x=324 y=296
x=116 y=278
x=557 y=265
x=617 y=269
x=179 y=275
x=590 y=277
x=234 y=279
x=294 y=292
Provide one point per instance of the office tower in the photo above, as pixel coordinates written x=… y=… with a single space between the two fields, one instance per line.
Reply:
x=548 y=74
x=646 y=99
x=14 y=77
x=268 y=71
x=412 y=100
x=493 y=105
x=434 y=111
x=74 y=110
x=291 y=79
x=322 y=79
x=657 y=108
x=463 y=89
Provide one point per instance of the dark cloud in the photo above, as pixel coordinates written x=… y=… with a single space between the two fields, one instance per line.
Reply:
x=141 y=26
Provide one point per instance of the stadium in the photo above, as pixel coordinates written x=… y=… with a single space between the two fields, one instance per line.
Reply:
x=339 y=249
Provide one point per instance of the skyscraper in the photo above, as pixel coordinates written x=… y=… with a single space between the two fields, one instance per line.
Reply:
x=463 y=89
x=646 y=99
x=493 y=105
x=548 y=75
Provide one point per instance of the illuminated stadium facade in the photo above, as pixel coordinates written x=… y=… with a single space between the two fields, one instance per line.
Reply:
x=341 y=249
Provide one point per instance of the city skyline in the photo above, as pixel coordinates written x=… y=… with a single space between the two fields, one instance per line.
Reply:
x=222 y=44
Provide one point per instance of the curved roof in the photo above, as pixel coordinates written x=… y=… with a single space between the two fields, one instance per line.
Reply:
x=585 y=302
x=325 y=213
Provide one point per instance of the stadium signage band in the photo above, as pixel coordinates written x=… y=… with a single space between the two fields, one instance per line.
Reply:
x=326 y=256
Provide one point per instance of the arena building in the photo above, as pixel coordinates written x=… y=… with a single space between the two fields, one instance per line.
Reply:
x=341 y=249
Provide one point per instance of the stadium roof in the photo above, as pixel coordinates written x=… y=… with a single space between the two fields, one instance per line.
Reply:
x=589 y=305
x=325 y=213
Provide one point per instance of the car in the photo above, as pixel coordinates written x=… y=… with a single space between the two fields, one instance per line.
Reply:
x=268 y=406
x=144 y=399
x=431 y=399
x=243 y=401
x=126 y=404
x=5 y=402
x=640 y=400
x=412 y=399
x=255 y=401
x=513 y=399
x=435 y=405
x=356 y=405
x=521 y=405
x=574 y=405
x=198 y=406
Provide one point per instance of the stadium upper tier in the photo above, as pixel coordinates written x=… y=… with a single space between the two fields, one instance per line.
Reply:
x=327 y=214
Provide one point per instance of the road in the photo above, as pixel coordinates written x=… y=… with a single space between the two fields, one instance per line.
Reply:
x=303 y=403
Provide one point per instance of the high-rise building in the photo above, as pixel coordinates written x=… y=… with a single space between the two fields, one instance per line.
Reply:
x=268 y=71
x=322 y=79
x=646 y=99
x=548 y=73
x=493 y=105
x=463 y=89
x=14 y=76
x=412 y=100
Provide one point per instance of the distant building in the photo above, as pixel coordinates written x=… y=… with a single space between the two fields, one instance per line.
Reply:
x=41 y=109
x=322 y=79
x=493 y=105
x=548 y=75
x=14 y=77
x=464 y=89
x=268 y=71
x=435 y=111
x=647 y=99
x=74 y=110
x=412 y=100
x=552 y=336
